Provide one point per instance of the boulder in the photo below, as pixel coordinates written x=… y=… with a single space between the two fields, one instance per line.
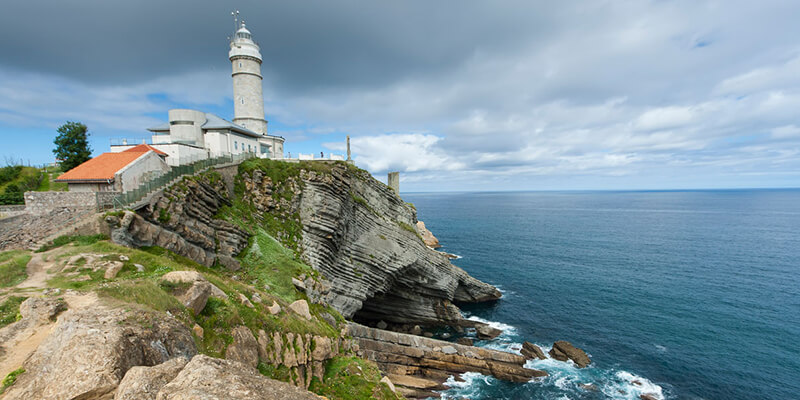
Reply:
x=113 y=269
x=88 y=351
x=196 y=297
x=301 y=308
x=563 y=350
x=486 y=332
x=211 y=378
x=531 y=351
x=275 y=308
x=298 y=284
x=198 y=331
x=244 y=348
x=381 y=325
x=449 y=350
x=648 y=396
x=143 y=383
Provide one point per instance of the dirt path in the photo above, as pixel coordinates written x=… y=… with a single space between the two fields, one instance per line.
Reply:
x=37 y=273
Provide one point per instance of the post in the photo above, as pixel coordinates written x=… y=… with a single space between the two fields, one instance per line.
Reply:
x=394 y=182
x=349 y=159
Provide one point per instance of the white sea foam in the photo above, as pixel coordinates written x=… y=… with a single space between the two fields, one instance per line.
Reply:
x=507 y=329
x=661 y=348
x=470 y=386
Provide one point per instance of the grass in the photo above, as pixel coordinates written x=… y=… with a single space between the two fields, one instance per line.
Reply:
x=266 y=261
x=352 y=378
x=78 y=240
x=409 y=228
x=12 y=267
x=11 y=378
x=9 y=310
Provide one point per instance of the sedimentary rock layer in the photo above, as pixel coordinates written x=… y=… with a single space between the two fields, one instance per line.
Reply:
x=362 y=237
x=419 y=365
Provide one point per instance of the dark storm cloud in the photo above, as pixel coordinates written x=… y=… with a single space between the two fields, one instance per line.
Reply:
x=306 y=44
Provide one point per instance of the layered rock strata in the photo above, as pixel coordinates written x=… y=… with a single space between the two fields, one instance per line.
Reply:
x=182 y=219
x=361 y=236
x=418 y=366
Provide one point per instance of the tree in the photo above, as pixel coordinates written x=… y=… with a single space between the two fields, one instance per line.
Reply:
x=72 y=145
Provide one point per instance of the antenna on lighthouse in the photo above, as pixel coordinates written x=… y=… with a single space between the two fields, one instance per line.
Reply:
x=235 y=15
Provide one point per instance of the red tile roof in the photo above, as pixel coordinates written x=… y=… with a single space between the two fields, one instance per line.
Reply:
x=100 y=168
x=144 y=148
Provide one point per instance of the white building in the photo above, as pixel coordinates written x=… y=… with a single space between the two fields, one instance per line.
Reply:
x=191 y=135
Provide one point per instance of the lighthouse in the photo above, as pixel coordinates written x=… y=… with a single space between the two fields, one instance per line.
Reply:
x=248 y=97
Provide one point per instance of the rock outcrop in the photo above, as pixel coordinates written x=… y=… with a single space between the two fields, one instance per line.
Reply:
x=563 y=351
x=417 y=365
x=182 y=219
x=144 y=383
x=427 y=236
x=89 y=351
x=211 y=378
x=361 y=236
x=532 y=351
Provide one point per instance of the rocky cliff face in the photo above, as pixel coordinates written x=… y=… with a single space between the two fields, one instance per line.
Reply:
x=182 y=219
x=353 y=229
x=361 y=236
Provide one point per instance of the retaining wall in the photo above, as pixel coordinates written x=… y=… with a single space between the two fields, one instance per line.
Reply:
x=40 y=203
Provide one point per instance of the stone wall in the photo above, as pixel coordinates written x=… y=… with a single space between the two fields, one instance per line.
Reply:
x=40 y=203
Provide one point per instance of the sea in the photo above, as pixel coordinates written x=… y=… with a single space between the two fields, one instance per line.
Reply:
x=675 y=294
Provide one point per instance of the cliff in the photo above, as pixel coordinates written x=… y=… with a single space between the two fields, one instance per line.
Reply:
x=362 y=238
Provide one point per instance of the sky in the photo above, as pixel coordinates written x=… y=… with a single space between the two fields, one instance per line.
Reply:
x=456 y=95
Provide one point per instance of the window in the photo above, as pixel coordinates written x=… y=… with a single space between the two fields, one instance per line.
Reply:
x=241 y=99
x=249 y=150
x=240 y=65
x=235 y=145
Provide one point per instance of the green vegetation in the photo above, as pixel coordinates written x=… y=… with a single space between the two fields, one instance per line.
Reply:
x=72 y=145
x=271 y=264
x=163 y=216
x=352 y=378
x=409 y=228
x=78 y=240
x=12 y=267
x=11 y=378
x=15 y=180
x=9 y=310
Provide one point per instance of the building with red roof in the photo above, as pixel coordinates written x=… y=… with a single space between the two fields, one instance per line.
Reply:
x=119 y=172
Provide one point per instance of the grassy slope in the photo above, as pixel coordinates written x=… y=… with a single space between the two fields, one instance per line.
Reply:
x=263 y=262
x=12 y=267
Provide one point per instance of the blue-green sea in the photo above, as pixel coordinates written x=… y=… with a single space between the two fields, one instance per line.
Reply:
x=680 y=294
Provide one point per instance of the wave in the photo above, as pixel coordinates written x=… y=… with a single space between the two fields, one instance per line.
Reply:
x=565 y=379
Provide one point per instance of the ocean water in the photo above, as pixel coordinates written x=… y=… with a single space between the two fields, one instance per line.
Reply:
x=684 y=294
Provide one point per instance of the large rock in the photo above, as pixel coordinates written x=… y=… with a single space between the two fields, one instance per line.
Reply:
x=196 y=295
x=486 y=332
x=300 y=307
x=143 y=383
x=361 y=236
x=211 y=378
x=531 y=351
x=563 y=351
x=244 y=348
x=427 y=236
x=89 y=351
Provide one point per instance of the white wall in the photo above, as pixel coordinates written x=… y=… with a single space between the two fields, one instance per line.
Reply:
x=144 y=168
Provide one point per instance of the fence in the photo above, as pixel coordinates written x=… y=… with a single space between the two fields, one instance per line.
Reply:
x=126 y=199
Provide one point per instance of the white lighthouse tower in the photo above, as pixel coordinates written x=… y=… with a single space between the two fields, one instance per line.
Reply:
x=248 y=97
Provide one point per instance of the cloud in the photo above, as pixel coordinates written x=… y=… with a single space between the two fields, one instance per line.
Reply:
x=469 y=93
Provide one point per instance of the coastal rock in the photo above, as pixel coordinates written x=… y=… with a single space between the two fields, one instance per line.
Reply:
x=465 y=341
x=88 y=352
x=563 y=350
x=361 y=236
x=275 y=308
x=531 y=351
x=143 y=383
x=486 y=332
x=427 y=236
x=113 y=269
x=648 y=396
x=211 y=378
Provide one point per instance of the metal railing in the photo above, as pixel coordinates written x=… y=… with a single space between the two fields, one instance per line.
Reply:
x=132 y=196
